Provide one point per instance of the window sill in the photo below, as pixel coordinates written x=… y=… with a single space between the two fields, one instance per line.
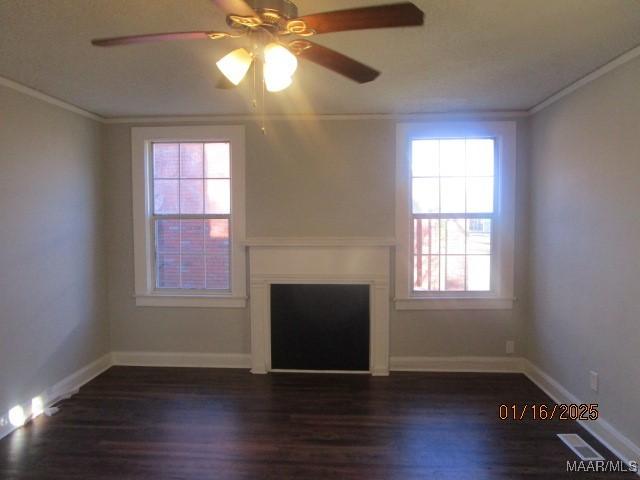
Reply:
x=193 y=301
x=453 y=303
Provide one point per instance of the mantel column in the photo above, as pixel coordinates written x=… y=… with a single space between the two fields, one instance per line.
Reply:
x=258 y=304
x=380 y=326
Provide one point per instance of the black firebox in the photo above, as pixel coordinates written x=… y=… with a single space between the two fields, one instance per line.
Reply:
x=320 y=327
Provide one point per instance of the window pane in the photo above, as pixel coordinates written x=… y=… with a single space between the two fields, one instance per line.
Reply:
x=217 y=236
x=425 y=236
x=452 y=158
x=424 y=158
x=452 y=195
x=218 y=197
x=426 y=272
x=217 y=159
x=165 y=196
x=192 y=236
x=165 y=160
x=434 y=273
x=191 y=193
x=479 y=272
x=191 y=160
x=479 y=195
x=421 y=272
x=479 y=236
x=168 y=268
x=218 y=254
x=425 y=194
x=480 y=157
x=218 y=272
x=192 y=271
x=453 y=236
x=454 y=271
x=168 y=236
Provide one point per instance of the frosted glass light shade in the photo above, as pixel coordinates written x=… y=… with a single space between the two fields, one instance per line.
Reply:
x=235 y=65
x=274 y=80
x=279 y=66
x=280 y=59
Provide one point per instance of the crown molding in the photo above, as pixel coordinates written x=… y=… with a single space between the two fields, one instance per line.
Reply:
x=599 y=72
x=18 y=87
x=506 y=114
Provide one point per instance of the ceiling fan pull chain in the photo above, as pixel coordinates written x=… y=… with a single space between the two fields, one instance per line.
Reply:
x=264 y=127
x=254 y=102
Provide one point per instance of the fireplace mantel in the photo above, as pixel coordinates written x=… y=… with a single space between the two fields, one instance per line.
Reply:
x=320 y=261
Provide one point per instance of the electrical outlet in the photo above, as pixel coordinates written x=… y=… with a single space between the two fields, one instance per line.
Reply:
x=511 y=346
x=593 y=380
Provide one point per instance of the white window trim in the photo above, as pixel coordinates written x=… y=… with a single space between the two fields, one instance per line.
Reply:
x=145 y=292
x=501 y=295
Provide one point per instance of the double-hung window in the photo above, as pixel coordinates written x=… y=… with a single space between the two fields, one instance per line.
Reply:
x=189 y=216
x=455 y=215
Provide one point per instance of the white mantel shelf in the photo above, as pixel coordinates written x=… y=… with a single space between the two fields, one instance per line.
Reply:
x=320 y=242
x=350 y=260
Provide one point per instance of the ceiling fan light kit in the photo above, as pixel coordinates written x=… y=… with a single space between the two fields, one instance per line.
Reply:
x=235 y=65
x=279 y=66
x=279 y=37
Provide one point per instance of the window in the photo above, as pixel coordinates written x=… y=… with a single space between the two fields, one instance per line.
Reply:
x=455 y=215
x=189 y=216
x=452 y=191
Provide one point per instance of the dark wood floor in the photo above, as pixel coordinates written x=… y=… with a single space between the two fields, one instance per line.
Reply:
x=168 y=423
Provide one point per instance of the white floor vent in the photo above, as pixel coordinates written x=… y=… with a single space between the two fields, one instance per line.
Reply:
x=580 y=447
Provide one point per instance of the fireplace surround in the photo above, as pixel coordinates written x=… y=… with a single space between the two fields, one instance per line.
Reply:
x=324 y=262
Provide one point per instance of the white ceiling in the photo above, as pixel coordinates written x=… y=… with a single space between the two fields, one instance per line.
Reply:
x=471 y=55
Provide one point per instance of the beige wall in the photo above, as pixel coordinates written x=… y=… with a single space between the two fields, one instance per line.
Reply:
x=52 y=281
x=584 y=262
x=305 y=178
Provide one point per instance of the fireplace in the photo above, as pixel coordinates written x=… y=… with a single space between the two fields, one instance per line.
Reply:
x=289 y=272
x=319 y=327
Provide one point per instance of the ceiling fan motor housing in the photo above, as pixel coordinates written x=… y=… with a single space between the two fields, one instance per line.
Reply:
x=283 y=8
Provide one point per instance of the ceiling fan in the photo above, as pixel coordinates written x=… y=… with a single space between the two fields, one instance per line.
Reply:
x=279 y=37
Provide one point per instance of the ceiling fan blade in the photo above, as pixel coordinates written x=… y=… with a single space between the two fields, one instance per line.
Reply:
x=382 y=16
x=339 y=63
x=156 y=37
x=235 y=7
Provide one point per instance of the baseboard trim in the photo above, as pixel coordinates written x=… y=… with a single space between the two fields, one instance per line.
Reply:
x=77 y=379
x=63 y=388
x=621 y=446
x=170 y=359
x=457 y=364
